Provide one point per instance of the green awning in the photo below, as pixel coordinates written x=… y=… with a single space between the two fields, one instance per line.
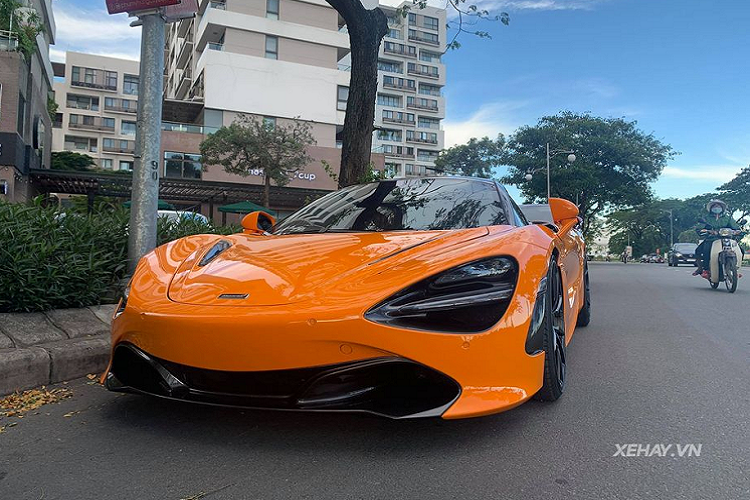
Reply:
x=163 y=205
x=245 y=207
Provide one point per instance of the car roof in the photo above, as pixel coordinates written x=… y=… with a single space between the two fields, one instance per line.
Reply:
x=441 y=177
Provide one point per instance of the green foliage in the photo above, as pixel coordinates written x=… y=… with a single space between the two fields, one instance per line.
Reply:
x=70 y=160
x=248 y=144
x=52 y=107
x=615 y=161
x=172 y=229
x=476 y=158
x=50 y=259
x=26 y=25
x=736 y=193
x=689 y=236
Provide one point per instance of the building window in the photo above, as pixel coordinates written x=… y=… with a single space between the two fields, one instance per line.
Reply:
x=127 y=128
x=82 y=102
x=126 y=165
x=425 y=155
x=129 y=84
x=110 y=79
x=387 y=134
x=107 y=164
x=108 y=123
x=429 y=123
x=390 y=66
x=394 y=33
x=272 y=47
x=272 y=9
x=429 y=57
x=431 y=23
x=342 y=98
x=426 y=89
x=412 y=18
x=73 y=143
x=269 y=122
x=389 y=100
x=182 y=165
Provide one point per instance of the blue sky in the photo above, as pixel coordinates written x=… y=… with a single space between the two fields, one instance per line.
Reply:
x=681 y=68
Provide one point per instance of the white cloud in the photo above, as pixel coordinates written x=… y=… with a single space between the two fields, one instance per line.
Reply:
x=717 y=173
x=489 y=120
x=94 y=31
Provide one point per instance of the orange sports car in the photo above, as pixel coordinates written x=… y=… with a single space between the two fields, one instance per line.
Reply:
x=410 y=297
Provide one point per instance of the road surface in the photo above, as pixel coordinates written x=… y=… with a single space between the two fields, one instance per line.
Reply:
x=664 y=362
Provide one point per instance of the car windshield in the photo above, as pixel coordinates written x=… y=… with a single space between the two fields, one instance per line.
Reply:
x=685 y=247
x=403 y=204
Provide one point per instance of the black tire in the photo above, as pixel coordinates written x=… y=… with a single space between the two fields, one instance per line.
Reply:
x=554 y=337
x=584 y=315
x=730 y=276
x=714 y=285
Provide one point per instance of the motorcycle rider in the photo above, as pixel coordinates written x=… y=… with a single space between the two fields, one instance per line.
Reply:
x=718 y=219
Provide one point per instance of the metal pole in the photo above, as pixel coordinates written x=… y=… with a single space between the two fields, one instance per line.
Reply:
x=671 y=229
x=548 y=181
x=143 y=209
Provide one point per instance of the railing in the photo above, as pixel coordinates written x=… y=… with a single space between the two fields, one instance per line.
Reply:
x=189 y=128
x=421 y=140
x=401 y=50
x=91 y=126
x=215 y=46
x=218 y=5
x=429 y=107
x=421 y=39
x=399 y=120
x=398 y=155
x=121 y=109
x=8 y=41
x=419 y=72
x=399 y=86
x=344 y=67
x=117 y=148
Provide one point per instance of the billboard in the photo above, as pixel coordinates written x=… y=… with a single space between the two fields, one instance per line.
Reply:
x=118 y=6
x=184 y=9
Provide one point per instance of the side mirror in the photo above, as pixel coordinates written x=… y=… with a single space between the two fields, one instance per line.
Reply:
x=258 y=223
x=563 y=210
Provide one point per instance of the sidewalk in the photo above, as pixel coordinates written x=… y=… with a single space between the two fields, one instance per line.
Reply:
x=54 y=346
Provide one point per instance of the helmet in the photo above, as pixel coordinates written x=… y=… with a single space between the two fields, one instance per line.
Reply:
x=716 y=203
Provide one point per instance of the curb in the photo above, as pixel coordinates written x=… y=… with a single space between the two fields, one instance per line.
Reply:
x=45 y=348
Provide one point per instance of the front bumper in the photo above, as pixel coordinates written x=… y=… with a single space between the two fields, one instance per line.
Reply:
x=389 y=386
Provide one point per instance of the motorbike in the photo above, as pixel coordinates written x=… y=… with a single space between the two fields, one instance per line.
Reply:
x=726 y=259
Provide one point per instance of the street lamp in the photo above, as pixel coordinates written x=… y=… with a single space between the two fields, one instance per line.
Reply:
x=550 y=154
x=671 y=226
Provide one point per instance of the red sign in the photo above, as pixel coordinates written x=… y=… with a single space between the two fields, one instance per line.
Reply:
x=185 y=9
x=118 y=6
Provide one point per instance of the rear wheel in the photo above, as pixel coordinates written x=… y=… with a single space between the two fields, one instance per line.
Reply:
x=554 y=337
x=730 y=276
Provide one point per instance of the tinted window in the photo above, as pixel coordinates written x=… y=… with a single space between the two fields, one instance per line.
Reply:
x=405 y=204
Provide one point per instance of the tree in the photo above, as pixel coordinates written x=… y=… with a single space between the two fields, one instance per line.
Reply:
x=250 y=145
x=366 y=30
x=70 y=160
x=615 y=162
x=736 y=193
x=476 y=158
x=689 y=236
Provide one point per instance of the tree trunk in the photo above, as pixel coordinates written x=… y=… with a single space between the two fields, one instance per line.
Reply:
x=267 y=192
x=366 y=30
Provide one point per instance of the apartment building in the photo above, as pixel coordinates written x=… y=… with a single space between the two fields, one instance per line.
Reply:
x=97 y=101
x=410 y=104
x=279 y=60
x=25 y=91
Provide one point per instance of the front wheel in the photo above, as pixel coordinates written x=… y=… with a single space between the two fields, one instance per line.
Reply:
x=554 y=337
x=730 y=276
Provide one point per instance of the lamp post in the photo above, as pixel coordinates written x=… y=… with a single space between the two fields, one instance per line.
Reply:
x=671 y=226
x=550 y=154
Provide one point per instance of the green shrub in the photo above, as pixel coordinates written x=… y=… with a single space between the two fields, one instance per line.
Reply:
x=52 y=260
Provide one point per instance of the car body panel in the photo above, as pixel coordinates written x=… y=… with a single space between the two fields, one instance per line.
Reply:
x=315 y=290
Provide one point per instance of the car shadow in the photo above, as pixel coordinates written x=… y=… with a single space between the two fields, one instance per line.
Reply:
x=264 y=430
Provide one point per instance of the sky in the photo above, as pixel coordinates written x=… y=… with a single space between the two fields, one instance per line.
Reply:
x=680 y=68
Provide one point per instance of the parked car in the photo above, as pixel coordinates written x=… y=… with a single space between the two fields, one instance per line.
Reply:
x=367 y=299
x=682 y=253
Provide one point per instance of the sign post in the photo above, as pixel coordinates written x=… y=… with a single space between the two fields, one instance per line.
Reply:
x=145 y=194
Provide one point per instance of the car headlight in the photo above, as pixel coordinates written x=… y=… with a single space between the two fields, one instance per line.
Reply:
x=468 y=298
x=677 y=254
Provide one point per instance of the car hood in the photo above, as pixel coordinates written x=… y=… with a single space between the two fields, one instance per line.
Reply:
x=276 y=270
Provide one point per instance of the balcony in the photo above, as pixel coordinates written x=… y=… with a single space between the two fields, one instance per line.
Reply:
x=120 y=146
x=215 y=46
x=187 y=128
x=119 y=108
x=96 y=125
x=399 y=86
x=420 y=72
x=429 y=107
x=421 y=140
x=421 y=39
x=8 y=41
x=402 y=121
x=399 y=50
x=398 y=155
x=186 y=50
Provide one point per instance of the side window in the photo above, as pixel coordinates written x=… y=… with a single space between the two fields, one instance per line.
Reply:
x=516 y=215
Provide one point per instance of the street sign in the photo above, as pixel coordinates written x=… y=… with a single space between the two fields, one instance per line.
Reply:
x=118 y=6
x=185 y=9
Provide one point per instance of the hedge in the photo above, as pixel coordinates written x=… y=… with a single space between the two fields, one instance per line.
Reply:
x=52 y=260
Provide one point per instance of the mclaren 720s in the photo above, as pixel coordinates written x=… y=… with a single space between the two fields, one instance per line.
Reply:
x=415 y=297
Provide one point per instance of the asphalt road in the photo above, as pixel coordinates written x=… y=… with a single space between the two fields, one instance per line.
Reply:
x=665 y=361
